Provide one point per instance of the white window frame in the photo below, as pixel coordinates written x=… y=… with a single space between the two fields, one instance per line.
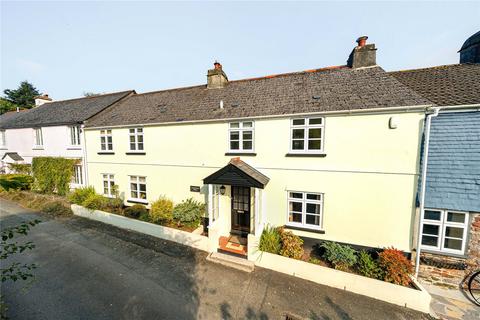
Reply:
x=109 y=178
x=241 y=129
x=3 y=139
x=37 y=137
x=137 y=132
x=74 y=132
x=136 y=180
x=106 y=144
x=77 y=174
x=443 y=224
x=304 y=202
x=306 y=126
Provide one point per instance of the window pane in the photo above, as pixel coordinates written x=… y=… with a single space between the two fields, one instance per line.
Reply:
x=234 y=135
x=314 y=144
x=140 y=146
x=102 y=140
x=313 y=208
x=102 y=131
x=140 y=138
x=432 y=215
x=297 y=195
x=133 y=186
x=456 y=217
x=247 y=145
x=430 y=241
x=295 y=217
x=105 y=184
x=453 y=244
x=132 y=130
x=105 y=176
x=234 y=145
x=431 y=229
x=234 y=125
x=312 y=196
x=132 y=146
x=315 y=133
x=454 y=232
x=143 y=187
x=140 y=130
x=109 y=131
x=247 y=124
x=132 y=139
x=298 y=144
x=298 y=122
x=141 y=179
x=133 y=194
x=310 y=219
x=295 y=206
x=247 y=135
x=298 y=133
x=109 y=139
x=315 y=121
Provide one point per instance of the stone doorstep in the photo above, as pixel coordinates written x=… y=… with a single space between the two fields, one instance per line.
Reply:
x=231 y=261
x=453 y=294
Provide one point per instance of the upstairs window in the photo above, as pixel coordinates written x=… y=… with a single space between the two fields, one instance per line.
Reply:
x=106 y=140
x=444 y=230
x=138 y=188
x=37 y=138
x=74 y=135
x=136 y=139
x=305 y=209
x=307 y=135
x=241 y=136
x=3 y=140
x=108 y=185
x=77 y=175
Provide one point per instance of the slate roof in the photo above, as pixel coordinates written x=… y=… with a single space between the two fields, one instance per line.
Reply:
x=61 y=112
x=328 y=89
x=456 y=84
x=238 y=173
x=453 y=172
x=15 y=156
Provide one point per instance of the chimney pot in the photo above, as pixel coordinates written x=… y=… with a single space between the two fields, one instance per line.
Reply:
x=217 y=65
x=216 y=77
x=362 y=41
x=363 y=55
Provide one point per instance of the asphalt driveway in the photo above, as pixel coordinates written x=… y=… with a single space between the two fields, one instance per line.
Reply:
x=89 y=270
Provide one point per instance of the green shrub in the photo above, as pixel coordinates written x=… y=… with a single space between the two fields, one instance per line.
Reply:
x=57 y=208
x=135 y=211
x=342 y=257
x=161 y=210
x=189 y=212
x=94 y=202
x=395 y=266
x=367 y=266
x=314 y=260
x=20 y=168
x=113 y=205
x=292 y=245
x=270 y=240
x=79 y=195
x=52 y=174
x=16 y=181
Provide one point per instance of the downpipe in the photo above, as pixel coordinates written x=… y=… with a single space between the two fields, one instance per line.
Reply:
x=428 y=121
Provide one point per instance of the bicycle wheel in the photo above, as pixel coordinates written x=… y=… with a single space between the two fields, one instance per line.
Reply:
x=474 y=287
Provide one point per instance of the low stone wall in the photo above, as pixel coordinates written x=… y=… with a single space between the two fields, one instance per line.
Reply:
x=406 y=297
x=186 y=238
x=448 y=271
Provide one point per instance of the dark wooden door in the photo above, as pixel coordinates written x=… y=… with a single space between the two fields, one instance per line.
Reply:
x=240 y=209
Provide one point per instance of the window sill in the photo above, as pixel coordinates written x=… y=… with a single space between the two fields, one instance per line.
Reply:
x=306 y=155
x=105 y=152
x=135 y=153
x=38 y=148
x=137 y=201
x=74 y=148
x=320 y=231
x=3 y=148
x=246 y=154
x=445 y=254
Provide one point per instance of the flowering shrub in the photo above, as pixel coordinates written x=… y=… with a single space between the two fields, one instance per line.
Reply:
x=395 y=266
x=291 y=245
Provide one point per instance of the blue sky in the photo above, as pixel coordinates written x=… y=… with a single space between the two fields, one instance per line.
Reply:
x=67 y=48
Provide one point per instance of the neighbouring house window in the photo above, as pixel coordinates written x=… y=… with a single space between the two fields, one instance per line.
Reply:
x=108 y=185
x=74 y=135
x=307 y=135
x=106 y=140
x=444 y=230
x=136 y=139
x=241 y=136
x=77 y=174
x=38 y=137
x=3 y=140
x=305 y=209
x=138 y=188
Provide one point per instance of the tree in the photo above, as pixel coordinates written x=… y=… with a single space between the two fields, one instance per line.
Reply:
x=6 y=106
x=23 y=96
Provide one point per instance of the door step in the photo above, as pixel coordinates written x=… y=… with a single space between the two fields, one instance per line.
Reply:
x=231 y=261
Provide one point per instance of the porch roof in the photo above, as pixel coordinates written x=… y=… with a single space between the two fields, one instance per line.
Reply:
x=238 y=173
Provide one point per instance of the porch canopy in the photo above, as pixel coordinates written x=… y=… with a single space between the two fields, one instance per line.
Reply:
x=238 y=173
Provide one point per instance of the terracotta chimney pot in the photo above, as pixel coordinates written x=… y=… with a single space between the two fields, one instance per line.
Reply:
x=362 y=41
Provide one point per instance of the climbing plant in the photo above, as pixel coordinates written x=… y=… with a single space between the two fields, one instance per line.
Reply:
x=52 y=174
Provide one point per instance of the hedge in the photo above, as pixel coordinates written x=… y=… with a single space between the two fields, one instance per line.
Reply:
x=52 y=174
x=16 y=181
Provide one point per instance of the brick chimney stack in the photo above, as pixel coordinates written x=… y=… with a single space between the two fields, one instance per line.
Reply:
x=216 y=78
x=363 y=55
x=39 y=100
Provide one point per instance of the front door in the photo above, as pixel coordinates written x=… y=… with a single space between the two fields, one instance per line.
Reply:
x=240 y=210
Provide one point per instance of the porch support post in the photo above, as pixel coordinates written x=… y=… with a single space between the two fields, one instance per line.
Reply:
x=257 y=212
x=210 y=204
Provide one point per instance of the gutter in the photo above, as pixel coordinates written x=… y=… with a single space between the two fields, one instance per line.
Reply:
x=428 y=121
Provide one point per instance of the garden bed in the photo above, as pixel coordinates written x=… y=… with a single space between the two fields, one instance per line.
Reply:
x=50 y=204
